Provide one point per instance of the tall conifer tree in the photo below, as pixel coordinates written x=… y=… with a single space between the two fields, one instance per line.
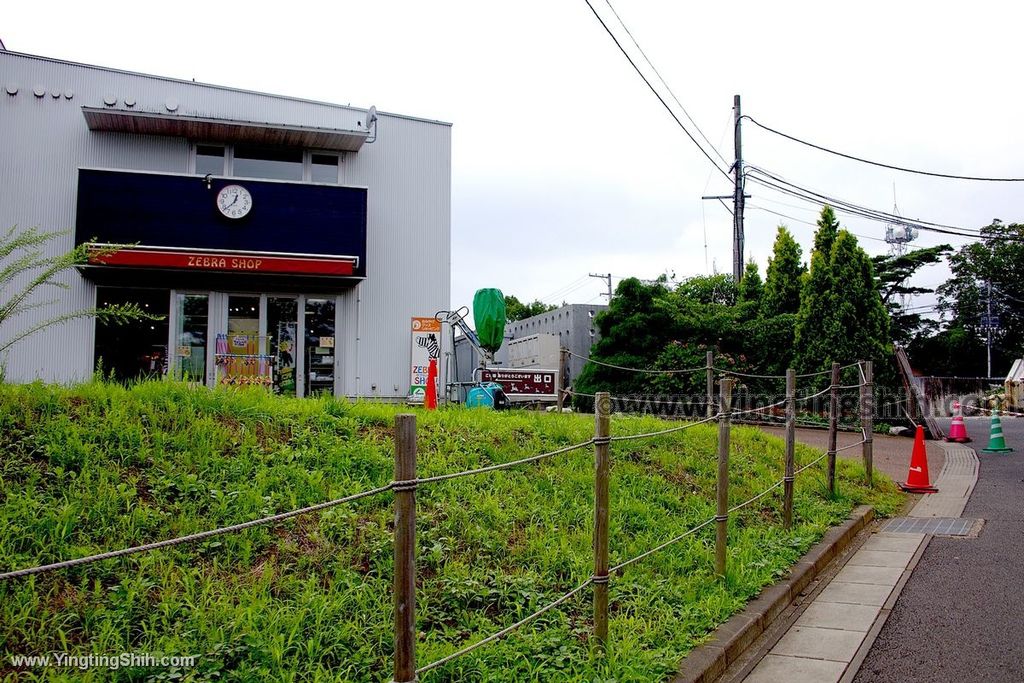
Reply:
x=751 y=288
x=841 y=317
x=783 y=277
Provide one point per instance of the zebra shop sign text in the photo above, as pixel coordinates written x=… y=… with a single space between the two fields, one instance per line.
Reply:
x=426 y=344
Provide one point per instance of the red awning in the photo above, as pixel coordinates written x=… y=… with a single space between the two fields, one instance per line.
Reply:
x=223 y=261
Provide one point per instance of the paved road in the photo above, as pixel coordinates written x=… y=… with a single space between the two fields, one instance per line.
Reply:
x=891 y=453
x=960 y=615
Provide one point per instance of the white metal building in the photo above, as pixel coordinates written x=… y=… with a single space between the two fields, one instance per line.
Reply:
x=285 y=242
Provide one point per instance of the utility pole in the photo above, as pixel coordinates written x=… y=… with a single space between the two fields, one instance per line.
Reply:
x=738 y=198
x=608 y=279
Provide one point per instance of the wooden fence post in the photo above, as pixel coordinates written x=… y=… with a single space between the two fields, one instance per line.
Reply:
x=867 y=417
x=602 y=431
x=711 y=382
x=405 y=549
x=787 y=479
x=833 y=427
x=722 y=516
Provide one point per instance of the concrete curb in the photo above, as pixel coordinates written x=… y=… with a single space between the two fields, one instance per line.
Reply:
x=707 y=662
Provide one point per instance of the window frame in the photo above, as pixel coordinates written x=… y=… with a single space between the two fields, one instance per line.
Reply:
x=229 y=163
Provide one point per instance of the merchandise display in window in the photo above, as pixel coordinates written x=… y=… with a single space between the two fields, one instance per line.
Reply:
x=239 y=362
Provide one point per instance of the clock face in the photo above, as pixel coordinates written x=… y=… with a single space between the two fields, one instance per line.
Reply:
x=234 y=201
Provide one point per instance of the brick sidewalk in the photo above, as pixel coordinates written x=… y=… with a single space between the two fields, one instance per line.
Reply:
x=834 y=633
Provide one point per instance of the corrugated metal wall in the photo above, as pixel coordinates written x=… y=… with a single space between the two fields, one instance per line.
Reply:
x=44 y=140
x=408 y=246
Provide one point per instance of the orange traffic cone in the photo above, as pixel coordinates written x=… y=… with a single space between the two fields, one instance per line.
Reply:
x=958 y=430
x=917 y=478
x=430 y=397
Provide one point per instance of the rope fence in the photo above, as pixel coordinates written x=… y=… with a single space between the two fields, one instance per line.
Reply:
x=648 y=371
x=405 y=484
x=505 y=631
x=647 y=435
x=191 y=538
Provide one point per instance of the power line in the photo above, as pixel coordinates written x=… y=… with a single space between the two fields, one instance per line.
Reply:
x=558 y=292
x=653 y=90
x=879 y=163
x=1011 y=298
x=821 y=199
x=564 y=296
x=875 y=213
x=813 y=225
x=656 y=73
x=560 y=295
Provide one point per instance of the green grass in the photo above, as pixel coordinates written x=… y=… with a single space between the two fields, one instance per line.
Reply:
x=100 y=467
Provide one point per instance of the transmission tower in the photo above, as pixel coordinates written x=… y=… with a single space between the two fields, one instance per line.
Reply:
x=899 y=236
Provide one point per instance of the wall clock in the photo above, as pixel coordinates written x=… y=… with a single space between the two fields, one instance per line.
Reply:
x=234 y=201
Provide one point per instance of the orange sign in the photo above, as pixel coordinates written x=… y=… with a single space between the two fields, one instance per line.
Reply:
x=426 y=325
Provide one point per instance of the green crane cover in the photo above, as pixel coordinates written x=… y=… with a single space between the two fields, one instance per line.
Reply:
x=489 y=316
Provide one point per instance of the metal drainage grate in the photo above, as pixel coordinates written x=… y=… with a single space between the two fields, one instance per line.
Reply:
x=937 y=526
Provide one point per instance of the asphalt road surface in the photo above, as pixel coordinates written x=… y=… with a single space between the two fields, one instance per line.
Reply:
x=891 y=454
x=960 y=616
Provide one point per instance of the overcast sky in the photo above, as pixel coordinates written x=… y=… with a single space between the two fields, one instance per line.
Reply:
x=564 y=163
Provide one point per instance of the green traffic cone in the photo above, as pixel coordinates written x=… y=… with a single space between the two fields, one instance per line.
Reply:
x=996 y=442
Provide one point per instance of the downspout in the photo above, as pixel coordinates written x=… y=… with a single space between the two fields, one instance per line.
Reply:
x=358 y=323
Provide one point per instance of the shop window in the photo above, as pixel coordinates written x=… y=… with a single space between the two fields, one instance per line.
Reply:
x=324 y=168
x=190 y=337
x=265 y=162
x=243 y=315
x=241 y=354
x=210 y=160
x=136 y=349
x=282 y=333
x=319 y=346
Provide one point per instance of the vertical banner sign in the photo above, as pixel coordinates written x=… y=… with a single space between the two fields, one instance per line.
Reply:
x=426 y=344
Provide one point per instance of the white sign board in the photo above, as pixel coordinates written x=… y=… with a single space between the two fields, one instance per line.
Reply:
x=426 y=344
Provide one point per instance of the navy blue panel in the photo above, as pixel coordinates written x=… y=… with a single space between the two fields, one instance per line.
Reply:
x=179 y=211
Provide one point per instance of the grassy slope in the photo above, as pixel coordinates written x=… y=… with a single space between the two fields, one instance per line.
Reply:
x=99 y=467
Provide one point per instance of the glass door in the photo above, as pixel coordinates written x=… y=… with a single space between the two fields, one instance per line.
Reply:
x=190 y=337
x=241 y=354
x=282 y=338
x=319 y=346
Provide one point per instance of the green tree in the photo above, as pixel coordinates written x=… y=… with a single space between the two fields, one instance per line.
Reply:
x=26 y=271
x=859 y=323
x=783 y=277
x=893 y=273
x=651 y=326
x=841 y=316
x=709 y=289
x=751 y=287
x=811 y=336
x=997 y=259
x=517 y=310
x=636 y=327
